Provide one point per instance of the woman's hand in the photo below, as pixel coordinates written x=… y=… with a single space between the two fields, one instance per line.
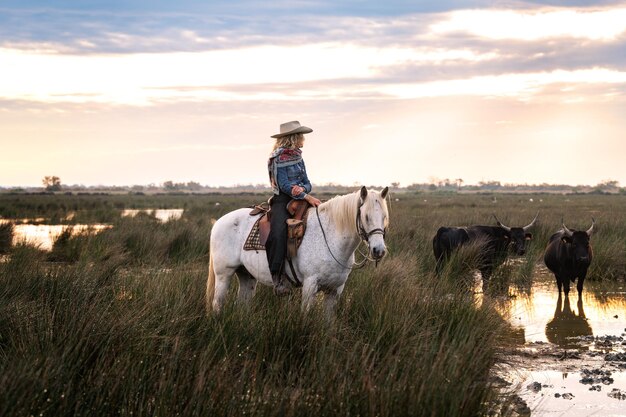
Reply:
x=296 y=190
x=312 y=200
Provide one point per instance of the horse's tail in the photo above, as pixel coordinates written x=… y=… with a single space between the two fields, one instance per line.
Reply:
x=210 y=286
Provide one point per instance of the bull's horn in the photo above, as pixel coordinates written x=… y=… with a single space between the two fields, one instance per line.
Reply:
x=531 y=223
x=566 y=230
x=593 y=223
x=508 y=229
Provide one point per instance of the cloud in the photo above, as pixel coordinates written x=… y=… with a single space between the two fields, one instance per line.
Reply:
x=281 y=73
x=201 y=26
x=535 y=25
x=155 y=90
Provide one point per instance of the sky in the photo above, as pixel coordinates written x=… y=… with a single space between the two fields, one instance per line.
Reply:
x=140 y=92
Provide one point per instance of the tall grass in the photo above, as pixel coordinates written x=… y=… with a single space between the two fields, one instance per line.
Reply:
x=118 y=327
x=94 y=340
x=6 y=237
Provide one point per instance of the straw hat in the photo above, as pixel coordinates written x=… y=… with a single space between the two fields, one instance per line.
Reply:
x=291 y=128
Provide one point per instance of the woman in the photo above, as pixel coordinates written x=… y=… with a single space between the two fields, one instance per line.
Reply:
x=289 y=181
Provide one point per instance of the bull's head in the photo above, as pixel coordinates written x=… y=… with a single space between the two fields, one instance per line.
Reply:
x=578 y=242
x=517 y=236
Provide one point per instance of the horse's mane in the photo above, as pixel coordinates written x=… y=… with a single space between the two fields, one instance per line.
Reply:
x=342 y=210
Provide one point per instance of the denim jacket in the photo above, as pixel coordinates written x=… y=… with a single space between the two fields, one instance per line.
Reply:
x=288 y=169
x=291 y=175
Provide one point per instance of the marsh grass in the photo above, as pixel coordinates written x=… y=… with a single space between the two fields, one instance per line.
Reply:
x=6 y=237
x=116 y=325
x=93 y=340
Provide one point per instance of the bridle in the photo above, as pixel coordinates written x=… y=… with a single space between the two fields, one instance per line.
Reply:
x=363 y=235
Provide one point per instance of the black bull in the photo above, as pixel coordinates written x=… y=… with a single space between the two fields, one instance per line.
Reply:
x=496 y=242
x=568 y=255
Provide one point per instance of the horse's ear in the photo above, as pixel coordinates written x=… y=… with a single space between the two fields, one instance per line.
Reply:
x=383 y=193
x=363 y=193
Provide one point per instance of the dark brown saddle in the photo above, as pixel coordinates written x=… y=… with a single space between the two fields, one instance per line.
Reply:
x=296 y=226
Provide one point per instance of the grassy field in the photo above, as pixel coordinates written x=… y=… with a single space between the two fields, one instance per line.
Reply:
x=114 y=323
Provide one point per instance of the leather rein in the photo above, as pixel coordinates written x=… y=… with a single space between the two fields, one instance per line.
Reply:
x=363 y=234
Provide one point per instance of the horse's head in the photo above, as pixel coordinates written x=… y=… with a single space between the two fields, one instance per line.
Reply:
x=372 y=220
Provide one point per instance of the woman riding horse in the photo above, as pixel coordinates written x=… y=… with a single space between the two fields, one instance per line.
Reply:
x=289 y=181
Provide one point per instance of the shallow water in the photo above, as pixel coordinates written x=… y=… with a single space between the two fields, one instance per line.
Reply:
x=543 y=317
x=565 y=340
x=163 y=215
x=551 y=401
x=44 y=235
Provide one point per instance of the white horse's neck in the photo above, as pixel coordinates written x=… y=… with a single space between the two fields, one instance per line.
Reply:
x=339 y=219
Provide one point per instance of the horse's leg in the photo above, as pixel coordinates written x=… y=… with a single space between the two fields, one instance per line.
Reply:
x=330 y=302
x=247 y=286
x=222 y=281
x=309 y=289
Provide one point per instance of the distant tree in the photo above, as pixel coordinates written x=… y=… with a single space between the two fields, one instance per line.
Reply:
x=608 y=184
x=459 y=183
x=489 y=185
x=395 y=184
x=169 y=185
x=193 y=186
x=52 y=183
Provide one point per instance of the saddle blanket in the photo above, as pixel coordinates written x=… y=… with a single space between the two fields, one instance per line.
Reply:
x=253 y=242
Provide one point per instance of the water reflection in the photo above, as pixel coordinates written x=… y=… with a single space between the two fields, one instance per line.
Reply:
x=566 y=325
x=163 y=215
x=600 y=311
x=44 y=235
x=585 y=402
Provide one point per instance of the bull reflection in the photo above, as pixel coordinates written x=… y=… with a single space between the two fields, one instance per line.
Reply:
x=567 y=325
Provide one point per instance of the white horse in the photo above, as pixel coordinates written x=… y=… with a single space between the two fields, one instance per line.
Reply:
x=325 y=257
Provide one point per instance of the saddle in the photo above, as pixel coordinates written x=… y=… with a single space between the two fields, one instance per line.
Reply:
x=296 y=226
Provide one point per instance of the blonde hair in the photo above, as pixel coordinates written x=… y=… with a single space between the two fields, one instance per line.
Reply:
x=290 y=141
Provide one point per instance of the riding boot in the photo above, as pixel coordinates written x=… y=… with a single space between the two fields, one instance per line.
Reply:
x=280 y=289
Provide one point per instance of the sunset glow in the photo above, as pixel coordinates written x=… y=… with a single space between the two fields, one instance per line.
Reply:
x=164 y=95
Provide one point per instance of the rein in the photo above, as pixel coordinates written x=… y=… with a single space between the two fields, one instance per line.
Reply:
x=362 y=234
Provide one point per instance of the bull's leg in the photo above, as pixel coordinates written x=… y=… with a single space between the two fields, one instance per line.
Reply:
x=566 y=281
x=247 y=286
x=579 y=284
x=439 y=265
x=559 y=283
x=441 y=262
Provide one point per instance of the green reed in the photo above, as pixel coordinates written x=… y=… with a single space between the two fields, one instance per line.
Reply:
x=116 y=324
